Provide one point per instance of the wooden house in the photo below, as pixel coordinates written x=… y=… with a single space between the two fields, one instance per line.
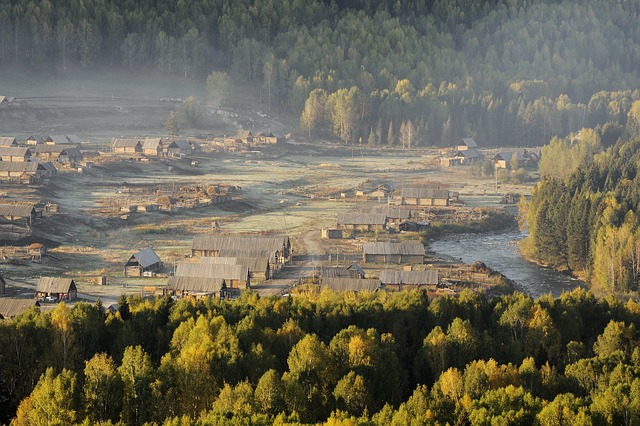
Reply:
x=268 y=138
x=11 y=308
x=392 y=215
x=469 y=156
x=143 y=261
x=126 y=146
x=196 y=287
x=62 y=140
x=362 y=221
x=35 y=140
x=331 y=234
x=259 y=268
x=15 y=154
x=351 y=284
x=58 y=154
x=57 y=288
x=8 y=141
x=505 y=159
x=18 y=212
x=382 y=252
x=466 y=144
x=277 y=249
x=235 y=276
x=450 y=161
x=354 y=271
x=152 y=146
x=26 y=172
x=244 y=136
x=423 y=196
x=179 y=148
x=400 y=280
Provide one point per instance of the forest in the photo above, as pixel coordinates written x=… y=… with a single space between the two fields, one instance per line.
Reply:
x=398 y=73
x=331 y=358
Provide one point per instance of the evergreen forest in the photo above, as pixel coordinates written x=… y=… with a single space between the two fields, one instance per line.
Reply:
x=396 y=73
x=329 y=358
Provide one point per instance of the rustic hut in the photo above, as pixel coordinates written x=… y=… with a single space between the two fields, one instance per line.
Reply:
x=362 y=221
x=400 y=280
x=18 y=212
x=152 y=146
x=196 y=287
x=278 y=249
x=58 y=154
x=259 y=268
x=143 y=261
x=11 y=308
x=126 y=146
x=56 y=288
x=351 y=284
x=466 y=144
x=8 y=141
x=382 y=252
x=235 y=276
x=15 y=154
x=424 y=196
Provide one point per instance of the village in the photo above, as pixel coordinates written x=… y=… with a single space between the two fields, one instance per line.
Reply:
x=90 y=219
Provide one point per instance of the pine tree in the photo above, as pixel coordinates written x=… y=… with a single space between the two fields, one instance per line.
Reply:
x=171 y=125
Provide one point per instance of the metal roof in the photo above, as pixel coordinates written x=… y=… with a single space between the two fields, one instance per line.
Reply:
x=197 y=284
x=410 y=277
x=55 y=285
x=253 y=263
x=21 y=210
x=404 y=248
x=14 y=151
x=212 y=270
x=361 y=219
x=10 y=308
x=8 y=141
x=351 y=284
x=146 y=257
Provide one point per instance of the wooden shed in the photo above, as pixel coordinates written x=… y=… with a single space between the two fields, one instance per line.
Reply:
x=196 y=287
x=141 y=262
x=126 y=146
x=15 y=154
x=259 y=268
x=235 y=276
x=62 y=140
x=35 y=140
x=18 y=212
x=8 y=141
x=353 y=271
x=57 y=288
x=400 y=280
x=58 y=154
x=466 y=143
x=351 y=284
x=179 y=148
x=11 y=308
x=152 y=146
x=278 y=248
x=362 y=221
x=405 y=252
x=424 y=196
x=29 y=171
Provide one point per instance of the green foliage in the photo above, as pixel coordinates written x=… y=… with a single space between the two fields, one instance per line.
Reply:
x=218 y=87
x=191 y=111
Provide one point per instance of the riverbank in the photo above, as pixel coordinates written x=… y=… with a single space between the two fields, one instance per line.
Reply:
x=495 y=221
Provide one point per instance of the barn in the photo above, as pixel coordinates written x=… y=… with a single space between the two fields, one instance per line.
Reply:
x=383 y=252
x=196 y=287
x=259 y=268
x=20 y=212
x=152 y=146
x=8 y=141
x=400 y=280
x=11 y=308
x=58 y=154
x=143 y=261
x=179 y=148
x=15 y=154
x=235 y=276
x=351 y=284
x=57 y=288
x=362 y=221
x=424 y=196
x=354 y=271
x=276 y=249
x=126 y=146
x=25 y=171
x=62 y=140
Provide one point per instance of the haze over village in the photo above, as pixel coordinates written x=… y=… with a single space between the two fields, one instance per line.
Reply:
x=319 y=212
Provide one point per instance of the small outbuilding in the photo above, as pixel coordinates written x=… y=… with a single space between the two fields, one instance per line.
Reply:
x=56 y=289
x=143 y=261
x=197 y=287
x=405 y=252
x=400 y=280
x=8 y=141
x=362 y=221
x=126 y=146
x=11 y=308
x=351 y=284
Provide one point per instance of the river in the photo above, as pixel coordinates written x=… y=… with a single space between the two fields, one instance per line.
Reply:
x=500 y=252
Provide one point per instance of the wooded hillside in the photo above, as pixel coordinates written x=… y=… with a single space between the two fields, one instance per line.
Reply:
x=342 y=359
x=395 y=73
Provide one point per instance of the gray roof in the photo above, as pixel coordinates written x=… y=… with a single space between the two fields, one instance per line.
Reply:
x=125 y=143
x=63 y=139
x=152 y=143
x=351 y=284
x=37 y=138
x=146 y=257
x=410 y=277
x=361 y=219
x=182 y=144
x=195 y=284
x=424 y=192
x=248 y=253
x=210 y=242
x=15 y=151
x=340 y=273
x=21 y=210
x=10 y=308
x=55 y=285
x=469 y=142
x=8 y=141
x=391 y=213
x=404 y=248
x=22 y=166
x=212 y=270
x=253 y=263
x=3 y=99
x=469 y=153
x=508 y=155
